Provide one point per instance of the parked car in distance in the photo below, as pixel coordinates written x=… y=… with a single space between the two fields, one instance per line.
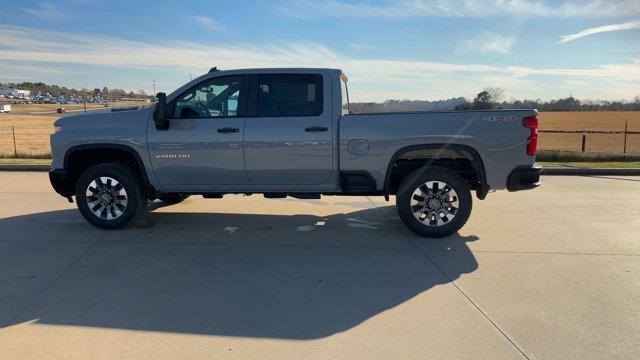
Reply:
x=289 y=132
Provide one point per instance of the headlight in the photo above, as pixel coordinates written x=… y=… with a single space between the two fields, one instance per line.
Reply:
x=57 y=129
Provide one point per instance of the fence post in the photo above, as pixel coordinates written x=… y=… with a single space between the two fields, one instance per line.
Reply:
x=584 y=141
x=625 y=136
x=15 y=149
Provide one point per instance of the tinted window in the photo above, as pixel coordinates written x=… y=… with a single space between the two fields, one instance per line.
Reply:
x=217 y=97
x=289 y=95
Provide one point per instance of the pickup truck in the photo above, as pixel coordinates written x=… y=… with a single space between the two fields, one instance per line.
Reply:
x=289 y=132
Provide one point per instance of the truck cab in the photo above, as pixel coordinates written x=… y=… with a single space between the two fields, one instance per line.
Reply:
x=244 y=130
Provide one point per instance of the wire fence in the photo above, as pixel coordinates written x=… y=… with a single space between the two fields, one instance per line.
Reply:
x=605 y=142
x=27 y=141
x=24 y=141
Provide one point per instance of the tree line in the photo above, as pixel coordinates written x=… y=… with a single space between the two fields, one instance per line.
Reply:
x=492 y=98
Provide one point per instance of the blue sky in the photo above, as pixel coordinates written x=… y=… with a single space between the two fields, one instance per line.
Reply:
x=414 y=49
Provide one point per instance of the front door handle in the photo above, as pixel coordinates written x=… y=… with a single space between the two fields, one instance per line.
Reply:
x=228 y=130
x=316 y=129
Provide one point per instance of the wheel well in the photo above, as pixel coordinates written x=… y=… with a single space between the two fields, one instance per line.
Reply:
x=465 y=162
x=77 y=161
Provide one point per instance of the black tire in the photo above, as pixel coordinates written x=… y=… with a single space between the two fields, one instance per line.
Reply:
x=173 y=198
x=129 y=181
x=428 y=227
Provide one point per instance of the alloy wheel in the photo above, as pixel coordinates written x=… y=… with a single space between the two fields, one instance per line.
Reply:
x=434 y=203
x=106 y=198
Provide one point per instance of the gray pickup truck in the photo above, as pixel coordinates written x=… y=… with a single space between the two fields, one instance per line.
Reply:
x=289 y=132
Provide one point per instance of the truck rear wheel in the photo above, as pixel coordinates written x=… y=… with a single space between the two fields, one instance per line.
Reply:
x=434 y=202
x=109 y=196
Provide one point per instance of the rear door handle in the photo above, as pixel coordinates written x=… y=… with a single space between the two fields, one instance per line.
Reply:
x=228 y=130
x=316 y=129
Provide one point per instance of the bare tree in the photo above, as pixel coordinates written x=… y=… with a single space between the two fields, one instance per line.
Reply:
x=496 y=94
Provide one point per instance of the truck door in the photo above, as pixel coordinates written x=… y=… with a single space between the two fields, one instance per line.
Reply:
x=203 y=146
x=289 y=140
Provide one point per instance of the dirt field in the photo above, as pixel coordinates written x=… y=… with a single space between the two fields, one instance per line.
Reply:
x=32 y=132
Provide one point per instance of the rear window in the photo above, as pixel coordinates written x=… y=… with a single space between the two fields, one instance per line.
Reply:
x=289 y=95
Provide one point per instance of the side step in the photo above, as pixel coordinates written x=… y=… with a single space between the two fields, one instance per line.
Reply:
x=269 y=195
x=293 y=195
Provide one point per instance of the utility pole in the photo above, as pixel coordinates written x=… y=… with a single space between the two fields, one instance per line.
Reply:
x=154 y=89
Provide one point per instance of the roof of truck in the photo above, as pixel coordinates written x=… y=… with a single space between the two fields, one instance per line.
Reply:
x=219 y=71
x=279 y=69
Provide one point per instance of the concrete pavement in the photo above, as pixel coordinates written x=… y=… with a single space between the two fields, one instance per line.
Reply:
x=549 y=273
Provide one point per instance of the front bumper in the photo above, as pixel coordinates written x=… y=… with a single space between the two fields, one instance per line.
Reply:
x=60 y=181
x=524 y=178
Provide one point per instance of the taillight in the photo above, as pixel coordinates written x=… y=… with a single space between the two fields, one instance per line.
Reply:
x=532 y=142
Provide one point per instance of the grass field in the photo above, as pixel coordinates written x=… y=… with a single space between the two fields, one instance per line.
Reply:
x=590 y=121
x=29 y=109
x=21 y=161
x=32 y=131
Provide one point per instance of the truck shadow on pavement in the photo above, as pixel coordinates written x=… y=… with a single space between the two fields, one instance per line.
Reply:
x=266 y=276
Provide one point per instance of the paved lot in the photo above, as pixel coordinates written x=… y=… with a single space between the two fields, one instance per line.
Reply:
x=551 y=273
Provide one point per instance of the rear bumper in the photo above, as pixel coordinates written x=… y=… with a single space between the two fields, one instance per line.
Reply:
x=59 y=179
x=524 y=178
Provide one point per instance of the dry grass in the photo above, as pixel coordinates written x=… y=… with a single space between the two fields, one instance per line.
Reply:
x=590 y=121
x=19 y=109
x=21 y=161
x=32 y=132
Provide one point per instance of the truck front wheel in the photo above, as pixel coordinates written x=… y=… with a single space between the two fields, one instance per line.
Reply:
x=434 y=202
x=109 y=196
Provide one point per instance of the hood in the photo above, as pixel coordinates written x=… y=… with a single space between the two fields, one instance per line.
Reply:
x=104 y=116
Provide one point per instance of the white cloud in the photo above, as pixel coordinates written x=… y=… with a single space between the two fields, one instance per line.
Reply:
x=362 y=47
x=489 y=43
x=458 y=8
x=372 y=79
x=206 y=22
x=46 y=11
x=600 y=29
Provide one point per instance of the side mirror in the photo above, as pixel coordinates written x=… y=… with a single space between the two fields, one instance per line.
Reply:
x=159 y=116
